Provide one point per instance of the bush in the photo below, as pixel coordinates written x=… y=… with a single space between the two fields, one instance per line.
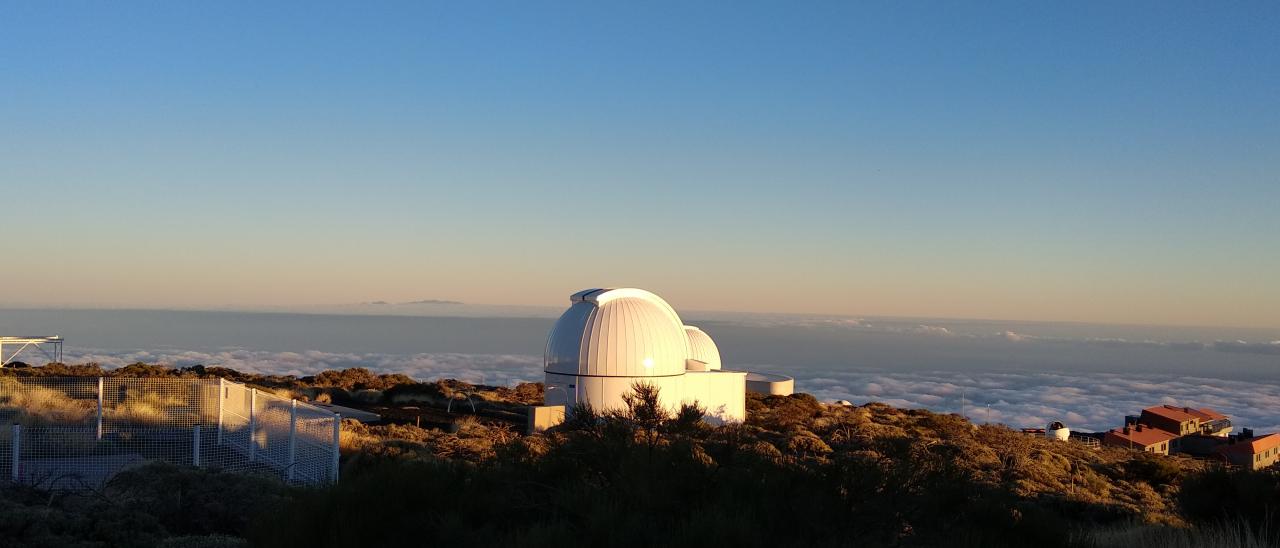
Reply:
x=1221 y=493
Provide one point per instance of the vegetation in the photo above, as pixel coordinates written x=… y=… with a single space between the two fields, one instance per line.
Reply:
x=799 y=472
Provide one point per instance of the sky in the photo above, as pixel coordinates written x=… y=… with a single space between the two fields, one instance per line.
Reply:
x=1085 y=161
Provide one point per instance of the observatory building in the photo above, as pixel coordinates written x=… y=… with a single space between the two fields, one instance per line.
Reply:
x=610 y=339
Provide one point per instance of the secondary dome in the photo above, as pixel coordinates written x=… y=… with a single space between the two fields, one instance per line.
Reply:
x=617 y=333
x=702 y=348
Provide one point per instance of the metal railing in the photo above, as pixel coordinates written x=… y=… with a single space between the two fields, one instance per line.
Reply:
x=79 y=432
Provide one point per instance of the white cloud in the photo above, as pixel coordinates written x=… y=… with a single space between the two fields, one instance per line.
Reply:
x=493 y=369
x=1015 y=337
x=1094 y=401
x=933 y=330
x=1085 y=401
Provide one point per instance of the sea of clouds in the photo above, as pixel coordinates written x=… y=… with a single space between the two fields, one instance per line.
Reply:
x=1085 y=401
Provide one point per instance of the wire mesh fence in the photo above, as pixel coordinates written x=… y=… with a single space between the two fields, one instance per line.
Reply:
x=78 y=433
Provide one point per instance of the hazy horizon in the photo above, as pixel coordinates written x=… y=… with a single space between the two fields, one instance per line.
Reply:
x=444 y=309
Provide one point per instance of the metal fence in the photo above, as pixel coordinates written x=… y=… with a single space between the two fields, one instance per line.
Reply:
x=79 y=432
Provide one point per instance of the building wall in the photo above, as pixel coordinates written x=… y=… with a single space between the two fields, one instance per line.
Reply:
x=722 y=393
x=605 y=393
x=542 y=417
x=771 y=385
x=1115 y=440
x=1200 y=445
x=1255 y=461
x=1170 y=425
x=1267 y=458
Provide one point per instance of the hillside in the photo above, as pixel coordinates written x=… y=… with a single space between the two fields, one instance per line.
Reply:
x=799 y=472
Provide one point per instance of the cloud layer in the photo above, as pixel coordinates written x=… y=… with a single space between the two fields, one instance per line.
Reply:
x=1085 y=401
x=1094 y=401
x=493 y=369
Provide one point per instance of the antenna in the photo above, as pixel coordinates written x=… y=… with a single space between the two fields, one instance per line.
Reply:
x=962 y=403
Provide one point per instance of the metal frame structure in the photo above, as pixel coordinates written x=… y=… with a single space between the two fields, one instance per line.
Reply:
x=54 y=353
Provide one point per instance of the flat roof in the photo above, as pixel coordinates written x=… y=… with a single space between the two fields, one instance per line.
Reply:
x=767 y=377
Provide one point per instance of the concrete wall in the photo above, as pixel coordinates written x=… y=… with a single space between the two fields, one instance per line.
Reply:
x=542 y=417
x=605 y=393
x=722 y=393
x=771 y=385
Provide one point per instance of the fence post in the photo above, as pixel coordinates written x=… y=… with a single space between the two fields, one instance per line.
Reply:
x=17 y=451
x=253 y=423
x=99 y=408
x=337 y=435
x=293 y=435
x=222 y=393
x=195 y=446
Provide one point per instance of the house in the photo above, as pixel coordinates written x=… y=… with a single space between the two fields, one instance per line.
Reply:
x=1184 y=420
x=1184 y=423
x=1176 y=420
x=1141 y=437
x=1253 y=452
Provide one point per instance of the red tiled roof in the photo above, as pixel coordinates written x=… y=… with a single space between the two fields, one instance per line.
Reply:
x=1206 y=414
x=1144 y=437
x=1170 y=412
x=1254 y=445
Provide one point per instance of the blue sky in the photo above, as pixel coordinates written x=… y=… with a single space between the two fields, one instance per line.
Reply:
x=1082 y=161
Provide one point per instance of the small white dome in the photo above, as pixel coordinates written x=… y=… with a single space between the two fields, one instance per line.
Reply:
x=1057 y=431
x=702 y=348
x=617 y=333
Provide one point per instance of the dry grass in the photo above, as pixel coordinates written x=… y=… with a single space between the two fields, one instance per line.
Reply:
x=32 y=405
x=471 y=440
x=1224 y=535
x=148 y=407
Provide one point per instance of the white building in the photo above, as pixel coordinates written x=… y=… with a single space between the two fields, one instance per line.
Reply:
x=610 y=339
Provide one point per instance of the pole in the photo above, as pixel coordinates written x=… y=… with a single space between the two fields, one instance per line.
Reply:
x=17 y=452
x=222 y=395
x=337 y=436
x=99 y=408
x=293 y=435
x=195 y=447
x=253 y=423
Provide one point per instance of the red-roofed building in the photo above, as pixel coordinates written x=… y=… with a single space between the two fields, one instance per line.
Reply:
x=1255 y=452
x=1212 y=423
x=1140 y=436
x=1177 y=420
x=1185 y=421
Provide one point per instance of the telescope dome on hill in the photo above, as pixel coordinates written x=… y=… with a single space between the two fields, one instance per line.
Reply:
x=610 y=339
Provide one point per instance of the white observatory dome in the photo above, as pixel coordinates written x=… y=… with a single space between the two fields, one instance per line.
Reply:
x=702 y=348
x=618 y=333
x=1057 y=431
